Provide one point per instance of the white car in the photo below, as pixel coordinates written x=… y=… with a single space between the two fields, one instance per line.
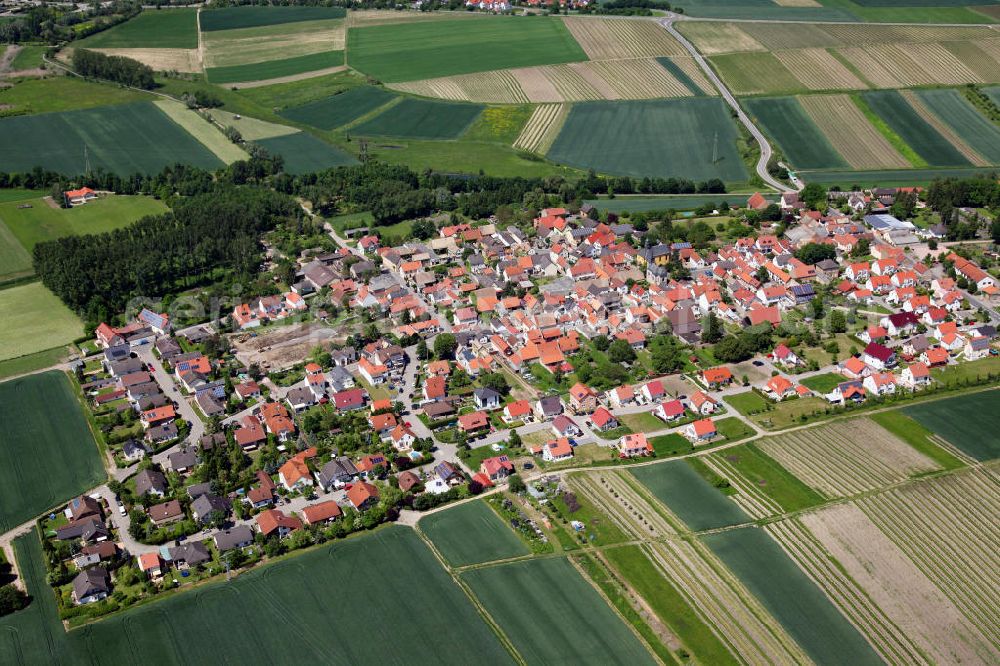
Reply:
x=122 y=510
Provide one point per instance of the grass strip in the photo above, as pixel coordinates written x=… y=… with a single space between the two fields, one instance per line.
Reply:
x=917 y=436
x=894 y=139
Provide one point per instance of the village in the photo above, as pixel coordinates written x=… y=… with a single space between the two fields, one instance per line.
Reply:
x=385 y=381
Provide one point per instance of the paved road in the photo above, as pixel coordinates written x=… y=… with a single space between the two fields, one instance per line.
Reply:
x=765 y=147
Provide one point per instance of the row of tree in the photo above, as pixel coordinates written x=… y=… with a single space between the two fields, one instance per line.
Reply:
x=119 y=69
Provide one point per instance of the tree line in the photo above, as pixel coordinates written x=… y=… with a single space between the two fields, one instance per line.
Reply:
x=119 y=69
x=53 y=24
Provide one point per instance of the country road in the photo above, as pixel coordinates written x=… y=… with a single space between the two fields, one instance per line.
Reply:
x=765 y=147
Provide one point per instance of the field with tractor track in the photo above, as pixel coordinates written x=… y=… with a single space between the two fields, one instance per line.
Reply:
x=969 y=423
x=243 y=46
x=799 y=137
x=850 y=133
x=542 y=128
x=471 y=534
x=341 y=109
x=608 y=39
x=421 y=119
x=304 y=153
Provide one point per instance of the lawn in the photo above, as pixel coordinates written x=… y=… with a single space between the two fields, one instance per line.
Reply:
x=642 y=422
x=29 y=57
x=969 y=422
x=304 y=153
x=671 y=445
x=470 y=534
x=15 y=261
x=903 y=119
x=690 y=497
x=391 y=572
x=252 y=129
x=273 y=69
x=42 y=222
x=62 y=93
x=552 y=615
x=340 y=109
x=122 y=139
x=771 y=478
x=160 y=29
x=975 y=129
x=428 y=49
x=32 y=362
x=693 y=138
x=788 y=412
x=34 y=320
x=917 y=436
x=231 y=18
x=47 y=453
x=791 y=597
x=747 y=403
x=732 y=429
x=421 y=119
x=824 y=383
x=802 y=142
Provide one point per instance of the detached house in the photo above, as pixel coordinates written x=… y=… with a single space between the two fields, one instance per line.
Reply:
x=582 y=399
x=634 y=445
x=701 y=430
x=879 y=356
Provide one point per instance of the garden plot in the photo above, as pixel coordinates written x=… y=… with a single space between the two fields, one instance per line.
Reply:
x=633 y=512
x=851 y=134
x=712 y=38
x=919 y=624
x=846 y=458
x=818 y=69
x=542 y=128
x=606 y=39
x=948 y=528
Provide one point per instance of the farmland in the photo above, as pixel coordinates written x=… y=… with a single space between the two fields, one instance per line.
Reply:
x=251 y=129
x=161 y=60
x=963 y=119
x=242 y=46
x=346 y=107
x=678 y=202
x=421 y=119
x=430 y=49
x=304 y=153
x=122 y=139
x=63 y=93
x=500 y=86
x=472 y=534
x=273 y=69
x=627 y=504
x=906 y=122
x=206 y=133
x=690 y=497
x=798 y=136
x=764 y=486
x=756 y=73
x=607 y=39
x=850 y=133
x=34 y=320
x=47 y=454
x=233 y=18
x=551 y=614
x=969 y=423
x=846 y=457
x=163 y=29
x=542 y=128
x=15 y=260
x=652 y=138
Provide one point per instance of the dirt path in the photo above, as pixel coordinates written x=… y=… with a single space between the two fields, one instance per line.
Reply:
x=7 y=59
x=290 y=78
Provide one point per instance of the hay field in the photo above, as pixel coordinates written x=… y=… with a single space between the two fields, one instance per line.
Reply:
x=250 y=45
x=34 y=320
x=846 y=458
x=907 y=64
x=778 y=36
x=919 y=624
x=162 y=60
x=714 y=38
x=850 y=133
x=605 y=39
x=542 y=128
x=205 y=132
x=818 y=69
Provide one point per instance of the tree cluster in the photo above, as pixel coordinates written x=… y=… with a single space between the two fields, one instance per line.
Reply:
x=119 y=69
x=751 y=340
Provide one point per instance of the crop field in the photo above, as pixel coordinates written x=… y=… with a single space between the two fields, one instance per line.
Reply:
x=304 y=153
x=47 y=454
x=652 y=138
x=715 y=38
x=296 y=592
x=498 y=87
x=471 y=534
x=15 y=261
x=233 y=18
x=62 y=93
x=755 y=73
x=677 y=202
x=552 y=615
x=799 y=138
x=559 y=83
x=421 y=119
x=160 y=29
x=818 y=69
x=850 y=133
x=942 y=127
x=968 y=423
x=161 y=60
x=687 y=71
x=775 y=36
x=606 y=39
x=949 y=106
x=847 y=457
x=251 y=129
x=892 y=177
x=34 y=320
x=338 y=110
x=273 y=69
x=121 y=139
x=639 y=79
x=794 y=600
x=947 y=528
x=908 y=64
x=542 y=128
x=627 y=504
x=908 y=124
x=917 y=623
x=244 y=46
x=206 y=133
x=430 y=49
x=687 y=495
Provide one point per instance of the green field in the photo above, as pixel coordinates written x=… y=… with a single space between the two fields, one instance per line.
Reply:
x=805 y=146
x=42 y=222
x=747 y=403
x=15 y=261
x=339 y=110
x=823 y=383
x=421 y=119
x=917 y=436
x=152 y=29
x=968 y=422
x=757 y=72
x=890 y=177
x=304 y=153
x=689 y=496
x=47 y=453
x=552 y=615
x=681 y=75
x=972 y=127
x=770 y=477
x=231 y=18
x=680 y=202
x=390 y=573
x=926 y=141
x=427 y=49
x=652 y=138
x=791 y=597
x=297 y=93
x=29 y=57
x=121 y=139
x=273 y=69
x=34 y=320
x=471 y=534
x=62 y=93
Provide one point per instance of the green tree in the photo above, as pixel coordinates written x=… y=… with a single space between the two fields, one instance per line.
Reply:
x=837 y=322
x=516 y=484
x=445 y=346
x=814 y=196
x=813 y=253
x=620 y=351
x=495 y=381
x=711 y=329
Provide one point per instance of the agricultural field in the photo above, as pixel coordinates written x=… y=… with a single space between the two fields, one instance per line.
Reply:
x=688 y=496
x=971 y=127
x=755 y=73
x=968 y=423
x=421 y=119
x=626 y=502
x=907 y=123
x=205 y=132
x=818 y=69
x=161 y=60
x=692 y=138
x=763 y=486
x=612 y=39
x=552 y=614
x=715 y=38
x=243 y=46
x=341 y=109
x=847 y=457
x=799 y=138
x=161 y=29
x=251 y=129
x=496 y=87
x=121 y=139
x=15 y=261
x=28 y=57
x=62 y=93
x=34 y=320
x=234 y=18
x=850 y=133
x=47 y=453
x=274 y=69
x=942 y=127
x=677 y=202
x=430 y=49
x=472 y=534
x=304 y=153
